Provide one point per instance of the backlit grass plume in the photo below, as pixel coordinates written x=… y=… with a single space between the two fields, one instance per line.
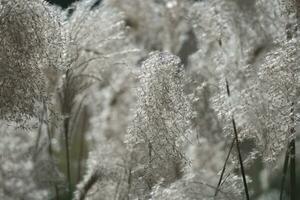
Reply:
x=30 y=42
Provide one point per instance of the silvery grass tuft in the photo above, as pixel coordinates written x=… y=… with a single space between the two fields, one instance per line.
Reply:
x=132 y=99
x=31 y=43
x=161 y=122
x=257 y=69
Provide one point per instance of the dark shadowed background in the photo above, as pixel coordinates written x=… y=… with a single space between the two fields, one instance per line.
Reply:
x=62 y=3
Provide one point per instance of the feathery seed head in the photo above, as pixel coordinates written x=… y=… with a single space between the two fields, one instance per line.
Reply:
x=30 y=43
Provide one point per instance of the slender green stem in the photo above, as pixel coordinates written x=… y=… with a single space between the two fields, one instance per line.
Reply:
x=50 y=150
x=129 y=180
x=292 y=151
x=285 y=169
x=81 y=148
x=66 y=127
x=293 y=169
x=56 y=192
x=87 y=186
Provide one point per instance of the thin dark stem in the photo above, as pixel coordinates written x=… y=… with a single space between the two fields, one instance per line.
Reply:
x=285 y=169
x=50 y=146
x=87 y=186
x=50 y=150
x=38 y=137
x=66 y=127
x=238 y=148
x=81 y=146
x=227 y=88
x=49 y=131
x=116 y=195
x=224 y=168
x=292 y=151
x=41 y=122
x=293 y=169
x=80 y=156
x=240 y=158
x=56 y=192
x=129 y=180
x=80 y=115
x=51 y=158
